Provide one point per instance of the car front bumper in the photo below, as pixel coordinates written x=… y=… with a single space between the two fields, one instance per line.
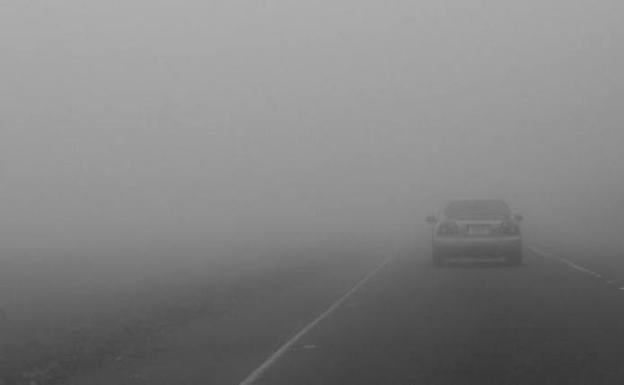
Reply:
x=477 y=247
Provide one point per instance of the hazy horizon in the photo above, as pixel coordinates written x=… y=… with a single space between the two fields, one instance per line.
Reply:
x=138 y=125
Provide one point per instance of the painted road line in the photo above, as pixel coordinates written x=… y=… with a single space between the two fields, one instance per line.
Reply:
x=273 y=358
x=571 y=264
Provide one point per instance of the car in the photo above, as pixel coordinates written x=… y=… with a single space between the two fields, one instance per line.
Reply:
x=476 y=228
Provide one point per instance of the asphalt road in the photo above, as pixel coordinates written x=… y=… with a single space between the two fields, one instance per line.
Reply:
x=545 y=322
x=549 y=321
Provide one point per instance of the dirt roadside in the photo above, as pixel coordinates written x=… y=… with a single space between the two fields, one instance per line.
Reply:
x=212 y=334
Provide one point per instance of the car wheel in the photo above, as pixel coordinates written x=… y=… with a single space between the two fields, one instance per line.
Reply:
x=437 y=257
x=515 y=258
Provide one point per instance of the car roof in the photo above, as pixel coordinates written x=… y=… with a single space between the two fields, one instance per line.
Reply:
x=500 y=202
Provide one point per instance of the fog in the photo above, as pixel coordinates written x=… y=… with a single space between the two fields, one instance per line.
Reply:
x=151 y=127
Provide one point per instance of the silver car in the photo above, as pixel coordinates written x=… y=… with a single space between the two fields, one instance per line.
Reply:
x=476 y=228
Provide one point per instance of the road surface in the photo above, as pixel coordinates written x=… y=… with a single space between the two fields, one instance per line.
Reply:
x=549 y=321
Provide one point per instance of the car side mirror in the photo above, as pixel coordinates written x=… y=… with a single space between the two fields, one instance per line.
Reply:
x=518 y=217
x=431 y=219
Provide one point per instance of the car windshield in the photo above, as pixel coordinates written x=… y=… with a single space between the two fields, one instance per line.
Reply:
x=477 y=209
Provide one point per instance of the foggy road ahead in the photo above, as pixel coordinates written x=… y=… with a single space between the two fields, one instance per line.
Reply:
x=185 y=185
x=542 y=323
x=546 y=322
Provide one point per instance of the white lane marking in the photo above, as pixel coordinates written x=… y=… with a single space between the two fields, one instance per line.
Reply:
x=255 y=375
x=569 y=263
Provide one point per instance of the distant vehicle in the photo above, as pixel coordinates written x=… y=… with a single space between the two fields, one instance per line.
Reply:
x=481 y=228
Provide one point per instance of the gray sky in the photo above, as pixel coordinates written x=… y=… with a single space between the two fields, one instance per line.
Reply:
x=131 y=124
